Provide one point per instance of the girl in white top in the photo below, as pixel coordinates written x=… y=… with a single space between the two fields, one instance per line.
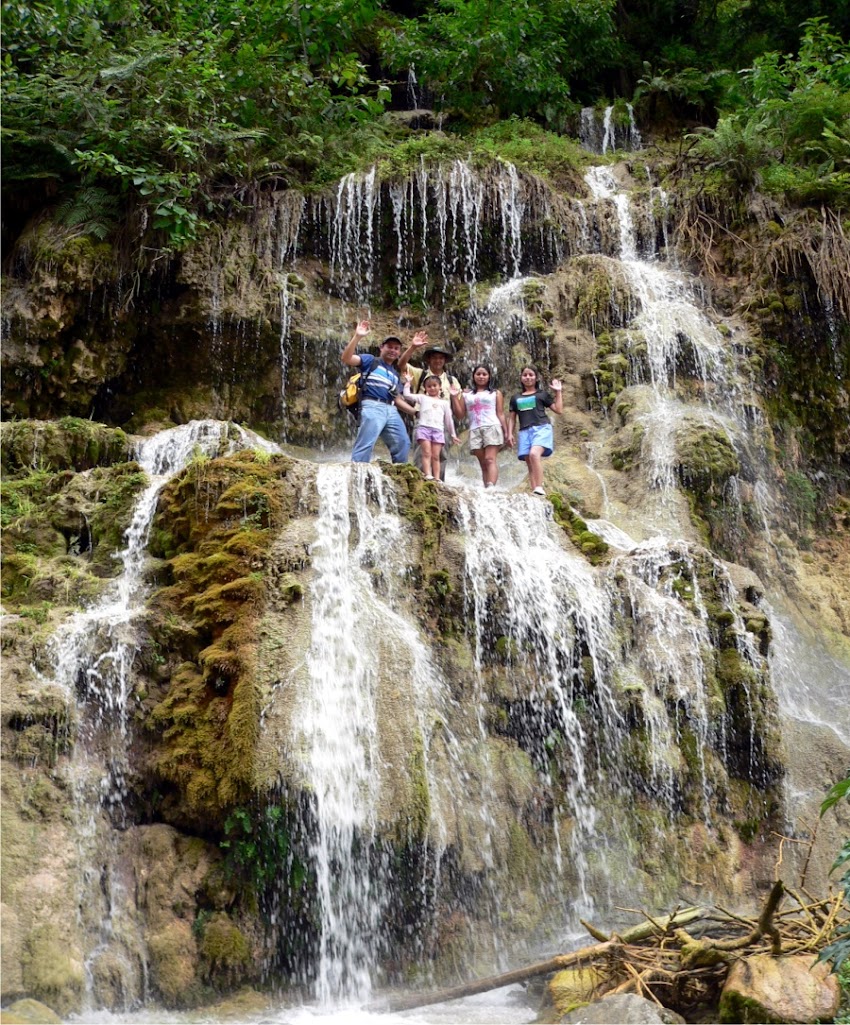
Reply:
x=487 y=427
x=434 y=423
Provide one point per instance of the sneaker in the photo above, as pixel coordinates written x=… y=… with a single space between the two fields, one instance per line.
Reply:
x=539 y=491
x=429 y=476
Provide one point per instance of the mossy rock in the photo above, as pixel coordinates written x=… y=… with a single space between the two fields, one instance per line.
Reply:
x=29 y=1012
x=53 y=971
x=67 y=444
x=225 y=953
x=174 y=964
x=591 y=545
x=221 y=518
x=706 y=457
x=572 y=988
x=62 y=530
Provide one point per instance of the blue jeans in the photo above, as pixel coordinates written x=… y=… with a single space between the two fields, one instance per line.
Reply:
x=380 y=420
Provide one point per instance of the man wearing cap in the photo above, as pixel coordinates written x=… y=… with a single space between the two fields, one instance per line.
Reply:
x=381 y=394
x=436 y=357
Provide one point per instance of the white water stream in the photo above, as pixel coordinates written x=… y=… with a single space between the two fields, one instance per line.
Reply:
x=93 y=655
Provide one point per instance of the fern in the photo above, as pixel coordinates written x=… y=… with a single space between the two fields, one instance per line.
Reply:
x=91 y=209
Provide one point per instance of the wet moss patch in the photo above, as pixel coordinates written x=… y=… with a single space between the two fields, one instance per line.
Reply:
x=67 y=444
x=62 y=530
x=216 y=524
x=589 y=544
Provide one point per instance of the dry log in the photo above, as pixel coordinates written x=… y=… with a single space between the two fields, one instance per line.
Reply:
x=659 y=954
x=704 y=953
x=651 y=926
x=554 y=964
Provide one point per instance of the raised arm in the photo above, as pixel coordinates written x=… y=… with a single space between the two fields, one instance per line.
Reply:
x=409 y=395
x=419 y=340
x=349 y=356
x=558 y=405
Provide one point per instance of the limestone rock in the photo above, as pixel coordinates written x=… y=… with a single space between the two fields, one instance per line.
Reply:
x=53 y=969
x=29 y=1012
x=571 y=987
x=622 y=1009
x=763 y=988
x=174 y=963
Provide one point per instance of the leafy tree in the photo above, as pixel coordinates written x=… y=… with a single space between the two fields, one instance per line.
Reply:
x=170 y=104
x=487 y=59
x=789 y=128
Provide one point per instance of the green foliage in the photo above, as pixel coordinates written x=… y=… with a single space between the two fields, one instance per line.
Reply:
x=837 y=953
x=520 y=141
x=802 y=497
x=690 y=86
x=257 y=848
x=837 y=792
x=168 y=103
x=789 y=130
x=487 y=59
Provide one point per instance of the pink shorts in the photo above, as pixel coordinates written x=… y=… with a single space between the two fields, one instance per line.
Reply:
x=432 y=434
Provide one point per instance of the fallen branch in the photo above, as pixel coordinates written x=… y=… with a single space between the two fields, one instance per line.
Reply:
x=659 y=959
x=555 y=964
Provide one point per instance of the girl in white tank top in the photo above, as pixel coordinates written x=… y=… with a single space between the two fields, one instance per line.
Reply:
x=487 y=427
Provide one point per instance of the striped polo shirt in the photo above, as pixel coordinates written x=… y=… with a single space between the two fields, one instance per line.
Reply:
x=383 y=383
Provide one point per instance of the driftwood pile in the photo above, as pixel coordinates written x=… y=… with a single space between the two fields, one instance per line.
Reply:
x=677 y=967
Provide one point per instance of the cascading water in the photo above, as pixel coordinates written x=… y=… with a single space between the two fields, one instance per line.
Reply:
x=605 y=681
x=552 y=610
x=607 y=134
x=362 y=651
x=93 y=655
x=339 y=728
x=557 y=625
x=670 y=338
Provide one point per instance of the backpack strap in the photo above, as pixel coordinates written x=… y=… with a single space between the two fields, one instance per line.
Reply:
x=364 y=375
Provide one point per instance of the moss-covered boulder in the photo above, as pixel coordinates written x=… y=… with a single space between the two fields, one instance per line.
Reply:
x=706 y=456
x=52 y=971
x=793 y=988
x=214 y=530
x=67 y=444
x=571 y=988
x=29 y=1012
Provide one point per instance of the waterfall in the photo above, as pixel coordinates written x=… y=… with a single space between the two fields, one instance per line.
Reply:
x=339 y=729
x=93 y=655
x=608 y=135
x=812 y=685
x=584 y=651
x=552 y=611
x=572 y=708
x=362 y=652
x=285 y=323
x=434 y=228
x=669 y=337
x=412 y=98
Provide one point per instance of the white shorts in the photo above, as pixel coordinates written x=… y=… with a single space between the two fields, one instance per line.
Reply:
x=484 y=437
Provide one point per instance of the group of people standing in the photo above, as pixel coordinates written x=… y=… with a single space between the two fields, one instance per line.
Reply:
x=436 y=399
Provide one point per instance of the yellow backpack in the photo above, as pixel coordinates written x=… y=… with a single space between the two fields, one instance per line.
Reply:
x=351 y=394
